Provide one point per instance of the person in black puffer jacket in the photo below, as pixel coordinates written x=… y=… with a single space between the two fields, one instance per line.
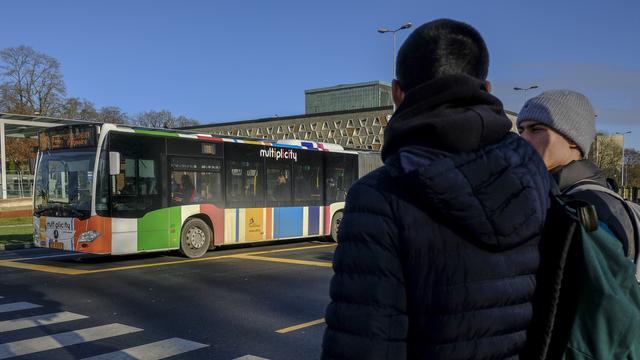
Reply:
x=560 y=125
x=438 y=249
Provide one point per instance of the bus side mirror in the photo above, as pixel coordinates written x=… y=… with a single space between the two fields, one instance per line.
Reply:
x=114 y=163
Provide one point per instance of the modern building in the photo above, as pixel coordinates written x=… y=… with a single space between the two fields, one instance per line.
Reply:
x=356 y=129
x=360 y=96
x=352 y=115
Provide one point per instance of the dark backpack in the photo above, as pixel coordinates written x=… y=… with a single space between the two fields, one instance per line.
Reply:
x=632 y=209
x=587 y=301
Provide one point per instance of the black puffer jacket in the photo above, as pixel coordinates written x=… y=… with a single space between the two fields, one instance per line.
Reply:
x=437 y=250
x=610 y=210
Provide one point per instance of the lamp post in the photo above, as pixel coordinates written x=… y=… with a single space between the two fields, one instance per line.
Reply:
x=385 y=30
x=622 y=172
x=525 y=90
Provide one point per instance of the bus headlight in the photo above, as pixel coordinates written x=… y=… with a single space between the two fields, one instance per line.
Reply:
x=88 y=236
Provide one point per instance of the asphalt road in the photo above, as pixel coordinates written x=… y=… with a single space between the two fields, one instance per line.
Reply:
x=249 y=303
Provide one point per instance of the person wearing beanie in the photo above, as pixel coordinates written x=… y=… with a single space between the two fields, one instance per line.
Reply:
x=438 y=249
x=560 y=125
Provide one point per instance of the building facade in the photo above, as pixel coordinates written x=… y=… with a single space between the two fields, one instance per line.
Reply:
x=366 y=95
x=358 y=129
x=353 y=116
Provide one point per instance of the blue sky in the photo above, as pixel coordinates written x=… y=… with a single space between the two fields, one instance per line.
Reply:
x=219 y=61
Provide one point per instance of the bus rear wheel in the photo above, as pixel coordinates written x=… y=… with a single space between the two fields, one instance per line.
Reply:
x=335 y=225
x=195 y=239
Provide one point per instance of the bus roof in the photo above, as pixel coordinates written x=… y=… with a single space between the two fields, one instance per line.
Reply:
x=286 y=143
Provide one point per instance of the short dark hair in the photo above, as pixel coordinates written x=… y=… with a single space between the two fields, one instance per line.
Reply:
x=441 y=47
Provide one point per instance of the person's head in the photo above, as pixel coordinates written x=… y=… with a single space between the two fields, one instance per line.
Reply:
x=439 y=48
x=282 y=179
x=560 y=125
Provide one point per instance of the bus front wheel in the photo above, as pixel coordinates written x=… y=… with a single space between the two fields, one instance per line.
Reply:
x=195 y=238
x=335 y=225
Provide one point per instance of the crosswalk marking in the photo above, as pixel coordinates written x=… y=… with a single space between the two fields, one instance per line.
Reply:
x=56 y=341
x=153 y=351
x=39 y=320
x=17 y=306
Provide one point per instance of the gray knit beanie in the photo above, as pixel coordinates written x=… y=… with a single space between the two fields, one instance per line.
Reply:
x=568 y=112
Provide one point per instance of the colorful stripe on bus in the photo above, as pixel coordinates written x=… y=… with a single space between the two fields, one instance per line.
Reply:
x=161 y=229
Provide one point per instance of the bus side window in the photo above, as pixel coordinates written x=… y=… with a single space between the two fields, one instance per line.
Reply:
x=308 y=178
x=245 y=176
x=341 y=173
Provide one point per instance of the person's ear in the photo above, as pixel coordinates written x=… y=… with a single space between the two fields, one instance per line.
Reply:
x=574 y=146
x=487 y=85
x=397 y=93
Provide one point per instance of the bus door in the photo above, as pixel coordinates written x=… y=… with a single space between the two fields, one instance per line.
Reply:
x=137 y=192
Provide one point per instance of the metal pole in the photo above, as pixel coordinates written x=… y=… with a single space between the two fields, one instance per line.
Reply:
x=3 y=159
x=394 y=56
x=385 y=30
x=622 y=173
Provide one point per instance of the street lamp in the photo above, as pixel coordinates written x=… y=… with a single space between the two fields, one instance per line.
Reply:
x=525 y=90
x=622 y=172
x=385 y=30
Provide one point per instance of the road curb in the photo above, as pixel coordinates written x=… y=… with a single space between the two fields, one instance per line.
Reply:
x=4 y=247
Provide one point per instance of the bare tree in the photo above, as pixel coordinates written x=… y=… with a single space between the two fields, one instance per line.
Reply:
x=632 y=170
x=31 y=82
x=606 y=152
x=162 y=119
x=113 y=115
x=154 y=119
x=80 y=109
x=183 y=121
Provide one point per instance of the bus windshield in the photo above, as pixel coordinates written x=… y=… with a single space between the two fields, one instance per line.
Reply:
x=63 y=183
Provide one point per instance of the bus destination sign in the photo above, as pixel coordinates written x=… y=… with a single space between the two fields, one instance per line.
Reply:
x=68 y=137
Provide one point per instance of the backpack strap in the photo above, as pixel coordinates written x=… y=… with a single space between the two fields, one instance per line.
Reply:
x=587 y=185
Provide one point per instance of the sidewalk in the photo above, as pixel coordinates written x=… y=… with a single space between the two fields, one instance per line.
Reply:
x=16 y=207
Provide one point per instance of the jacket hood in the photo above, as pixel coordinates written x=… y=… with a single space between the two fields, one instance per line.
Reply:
x=498 y=195
x=576 y=171
x=453 y=113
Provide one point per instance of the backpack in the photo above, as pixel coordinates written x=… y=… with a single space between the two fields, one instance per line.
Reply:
x=632 y=209
x=587 y=299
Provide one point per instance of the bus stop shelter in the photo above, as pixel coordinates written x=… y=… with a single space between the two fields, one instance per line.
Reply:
x=23 y=126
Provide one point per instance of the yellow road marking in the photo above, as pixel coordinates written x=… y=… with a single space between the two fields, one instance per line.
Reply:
x=45 y=268
x=301 y=326
x=15 y=263
x=281 y=260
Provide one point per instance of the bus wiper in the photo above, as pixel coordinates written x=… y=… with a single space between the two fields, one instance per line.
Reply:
x=75 y=212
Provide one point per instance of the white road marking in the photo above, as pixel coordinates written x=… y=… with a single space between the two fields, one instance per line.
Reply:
x=153 y=351
x=17 y=306
x=30 y=346
x=250 y=357
x=39 y=320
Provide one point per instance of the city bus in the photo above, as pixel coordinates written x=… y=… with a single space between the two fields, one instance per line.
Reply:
x=117 y=189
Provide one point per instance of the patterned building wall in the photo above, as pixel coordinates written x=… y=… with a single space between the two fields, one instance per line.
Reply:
x=356 y=129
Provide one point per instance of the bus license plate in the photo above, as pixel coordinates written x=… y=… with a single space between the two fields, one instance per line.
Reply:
x=57 y=245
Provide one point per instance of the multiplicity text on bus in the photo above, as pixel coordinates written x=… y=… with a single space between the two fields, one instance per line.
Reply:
x=112 y=189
